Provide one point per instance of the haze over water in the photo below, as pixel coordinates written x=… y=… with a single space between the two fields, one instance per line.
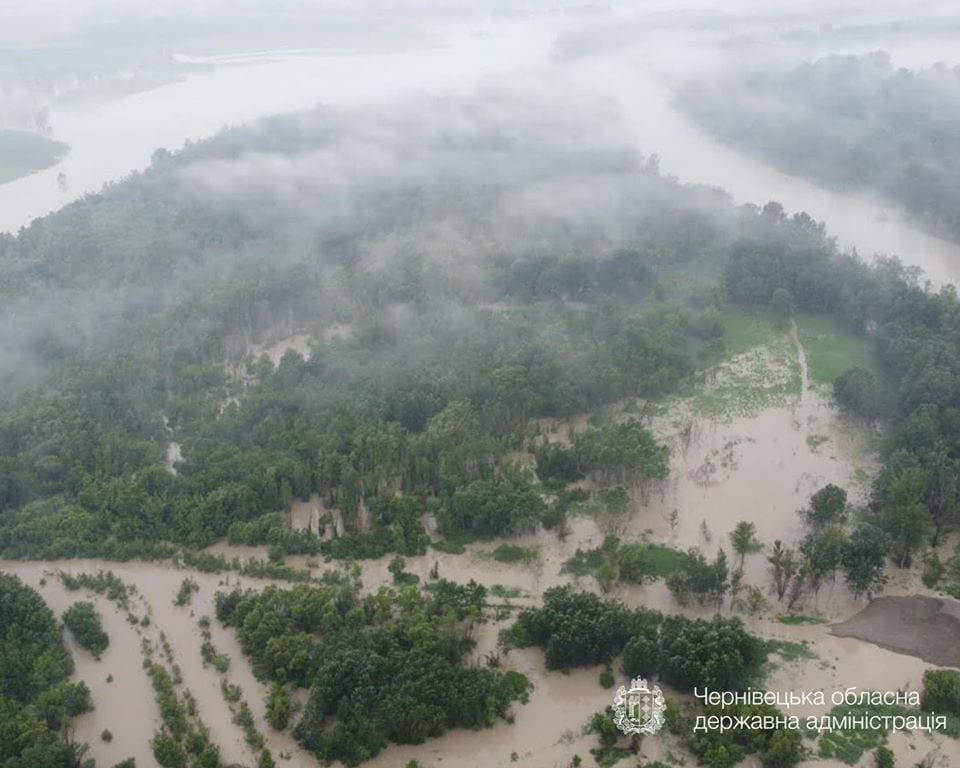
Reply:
x=118 y=137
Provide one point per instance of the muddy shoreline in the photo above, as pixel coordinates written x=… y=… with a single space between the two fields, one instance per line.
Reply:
x=916 y=625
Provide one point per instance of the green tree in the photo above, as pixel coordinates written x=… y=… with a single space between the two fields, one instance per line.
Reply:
x=717 y=654
x=863 y=558
x=784 y=750
x=743 y=539
x=784 y=567
x=782 y=305
x=828 y=507
x=696 y=577
x=858 y=391
x=904 y=516
x=822 y=551
x=279 y=707
x=941 y=691
x=883 y=757
x=36 y=701
x=83 y=622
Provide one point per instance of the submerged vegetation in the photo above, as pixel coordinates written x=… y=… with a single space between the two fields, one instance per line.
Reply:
x=36 y=701
x=421 y=410
x=83 y=621
x=389 y=667
x=580 y=629
x=462 y=362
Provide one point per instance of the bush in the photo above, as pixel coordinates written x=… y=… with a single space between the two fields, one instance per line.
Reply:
x=858 y=391
x=941 y=691
x=185 y=594
x=516 y=553
x=279 y=707
x=84 y=622
x=933 y=569
x=606 y=678
x=883 y=757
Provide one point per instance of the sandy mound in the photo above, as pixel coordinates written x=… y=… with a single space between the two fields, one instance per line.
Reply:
x=926 y=627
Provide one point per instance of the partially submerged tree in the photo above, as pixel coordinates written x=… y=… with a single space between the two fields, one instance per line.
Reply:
x=904 y=516
x=83 y=621
x=828 y=507
x=863 y=558
x=744 y=540
x=784 y=566
x=822 y=551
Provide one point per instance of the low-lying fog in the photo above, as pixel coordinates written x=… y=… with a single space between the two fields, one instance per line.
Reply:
x=634 y=55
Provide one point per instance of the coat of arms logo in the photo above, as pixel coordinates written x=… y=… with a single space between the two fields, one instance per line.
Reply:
x=639 y=709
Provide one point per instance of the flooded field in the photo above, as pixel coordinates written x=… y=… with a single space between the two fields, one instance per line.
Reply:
x=725 y=467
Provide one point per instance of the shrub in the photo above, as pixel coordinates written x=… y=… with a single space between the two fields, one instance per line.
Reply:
x=84 y=623
x=941 y=691
x=606 y=678
x=883 y=757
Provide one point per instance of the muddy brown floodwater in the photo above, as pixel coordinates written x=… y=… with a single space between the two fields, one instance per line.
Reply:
x=758 y=466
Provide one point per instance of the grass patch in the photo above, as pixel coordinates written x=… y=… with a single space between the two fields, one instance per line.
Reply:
x=789 y=650
x=583 y=563
x=636 y=561
x=848 y=746
x=23 y=152
x=766 y=371
x=659 y=560
x=514 y=553
x=832 y=348
x=744 y=330
x=498 y=590
x=450 y=546
x=761 y=378
x=793 y=620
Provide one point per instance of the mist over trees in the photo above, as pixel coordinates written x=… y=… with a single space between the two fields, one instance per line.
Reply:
x=414 y=235
x=849 y=122
x=490 y=265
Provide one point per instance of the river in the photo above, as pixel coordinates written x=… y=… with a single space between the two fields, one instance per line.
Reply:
x=111 y=141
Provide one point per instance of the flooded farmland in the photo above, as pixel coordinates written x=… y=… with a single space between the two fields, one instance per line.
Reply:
x=725 y=468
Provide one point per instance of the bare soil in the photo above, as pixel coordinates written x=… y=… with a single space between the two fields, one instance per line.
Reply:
x=925 y=627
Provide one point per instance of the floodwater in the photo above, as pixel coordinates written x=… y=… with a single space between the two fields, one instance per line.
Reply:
x=763 y=469
x=760 y=467
x=109 y=142
x=692 y=155
x=119 y=137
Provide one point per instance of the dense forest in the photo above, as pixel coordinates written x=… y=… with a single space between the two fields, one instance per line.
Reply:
x=466 y=321
x=453 y=283
x=521 y=277
x=36 y=701
x=389 y=667
x=850 y=122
